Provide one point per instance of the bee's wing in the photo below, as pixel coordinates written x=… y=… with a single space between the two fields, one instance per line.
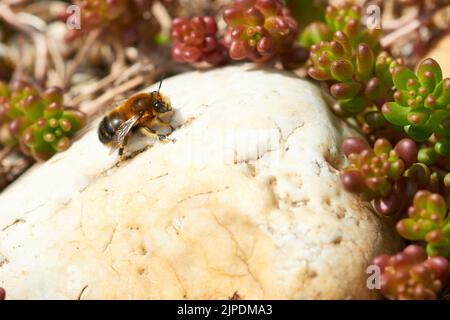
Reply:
x=123 y=131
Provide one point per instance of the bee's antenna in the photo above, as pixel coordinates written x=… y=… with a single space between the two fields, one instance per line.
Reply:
x=160 y=82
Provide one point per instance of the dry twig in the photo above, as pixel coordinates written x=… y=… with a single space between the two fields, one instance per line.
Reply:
x=40 y=67
x=81 y=54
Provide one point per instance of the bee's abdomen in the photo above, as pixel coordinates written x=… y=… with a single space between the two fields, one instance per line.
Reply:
x=108 y=127
x=105 y=132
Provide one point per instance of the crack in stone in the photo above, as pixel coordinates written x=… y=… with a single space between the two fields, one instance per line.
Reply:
x=202 y=194
x=158 y=177
x=319 y=167
x=21 y=219
x=280 y=132
x=81 y=221
x=283 y=140
x=82 y=291
x=293 y=131
x=177 y=277
x=114 y=269
x=235 y=296
x=226 y=274
x=240 y=254
x=17 y=221
x=110 y=239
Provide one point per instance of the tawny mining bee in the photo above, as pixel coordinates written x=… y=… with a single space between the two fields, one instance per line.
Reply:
x=150 y=113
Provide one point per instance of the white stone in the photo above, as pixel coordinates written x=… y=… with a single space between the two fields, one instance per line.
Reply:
x=247 y=199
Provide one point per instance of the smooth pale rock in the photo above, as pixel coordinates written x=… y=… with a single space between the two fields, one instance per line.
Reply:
x=247 y=199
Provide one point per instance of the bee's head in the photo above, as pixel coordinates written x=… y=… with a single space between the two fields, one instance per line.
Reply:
x=160 y=104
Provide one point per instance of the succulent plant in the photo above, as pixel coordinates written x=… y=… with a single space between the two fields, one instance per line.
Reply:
x=372 y=171
x=422 y=104
x=410 y=275
x=428 y=221
x=389 y=101
x=195 y=40
x=345 y=18
x=347 y=55
x=258 y=30
x=129 y=21
x=39 y=123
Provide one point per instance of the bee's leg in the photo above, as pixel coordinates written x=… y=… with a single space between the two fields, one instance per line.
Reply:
x=164 y=138
x=132 y=154
x=151 y=133
x=161 y=126
x=121 y=150
x=148 y=132
x=121 y=155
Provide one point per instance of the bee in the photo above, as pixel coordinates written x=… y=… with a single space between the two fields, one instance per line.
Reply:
x=150 y=113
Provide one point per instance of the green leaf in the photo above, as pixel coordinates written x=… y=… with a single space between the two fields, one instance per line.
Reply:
x=406 y=229
x=364 y=61
x=442 y=147
x=427 y=156
x=76 y=118
x=54 y=110
x=418 y=133
x=354 y=106
x=418 y=116
x=345 y=90
x=382 y=68
x=396 y=114
x=342 y=70
x=442 y=92
x=375 y=89
x=401 y=76
x=33 y=107
x=439 y=122
x=430 y=74
x=439 y=249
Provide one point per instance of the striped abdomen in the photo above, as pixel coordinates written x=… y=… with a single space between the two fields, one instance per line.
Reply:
x=108 y=127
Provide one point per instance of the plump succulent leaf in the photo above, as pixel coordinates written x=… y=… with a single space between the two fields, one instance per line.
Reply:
x=195 y=40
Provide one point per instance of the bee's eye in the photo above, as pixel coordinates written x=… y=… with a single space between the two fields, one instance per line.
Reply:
x=159 y=107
